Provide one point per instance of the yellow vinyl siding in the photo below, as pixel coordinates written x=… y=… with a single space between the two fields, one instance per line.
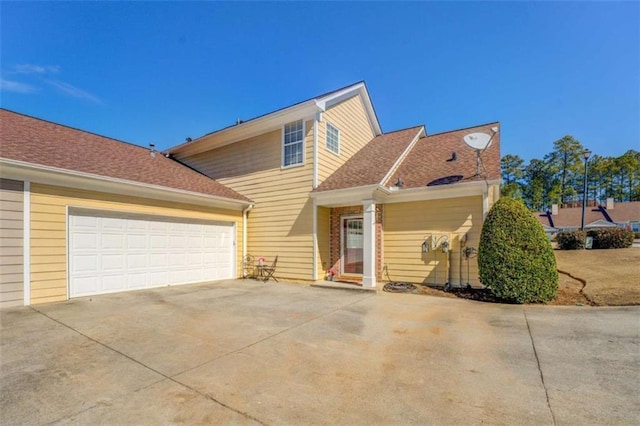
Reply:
x=11 y=243
x=281 y=222
x=406 y=225
x=351 y=119
x=49 y=232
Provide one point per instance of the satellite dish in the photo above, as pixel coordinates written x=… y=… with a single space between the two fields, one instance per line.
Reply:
x=477 y=141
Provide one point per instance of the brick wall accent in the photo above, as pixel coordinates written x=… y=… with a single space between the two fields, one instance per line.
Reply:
x=334 y=246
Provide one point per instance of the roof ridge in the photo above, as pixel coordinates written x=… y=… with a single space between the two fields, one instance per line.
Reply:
x=264 y=115
x=464 y=128
x=73 y=128
x=403 y=155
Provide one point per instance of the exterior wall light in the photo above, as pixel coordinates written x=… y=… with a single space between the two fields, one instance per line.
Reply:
x=425 y=246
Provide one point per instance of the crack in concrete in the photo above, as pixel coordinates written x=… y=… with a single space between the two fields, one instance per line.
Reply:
x=172 y=378
x=209 y=397
x=535 y=352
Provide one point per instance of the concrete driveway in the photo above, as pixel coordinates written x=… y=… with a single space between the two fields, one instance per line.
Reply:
x=244 y=352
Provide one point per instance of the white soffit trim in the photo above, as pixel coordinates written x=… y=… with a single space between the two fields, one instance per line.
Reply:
x=246 y=130
x=275 y=120
x=402 y=156
x=37 y=173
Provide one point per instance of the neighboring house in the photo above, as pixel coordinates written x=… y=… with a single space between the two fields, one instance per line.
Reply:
x=611 y=214
x=317 y=184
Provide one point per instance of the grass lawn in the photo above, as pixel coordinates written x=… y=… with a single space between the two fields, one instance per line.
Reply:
x=587 y=277
x=612 y=277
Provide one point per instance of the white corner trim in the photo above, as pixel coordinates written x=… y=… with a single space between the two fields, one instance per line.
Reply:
x=26 y=241
x=315 y=242
x=402 y=156
x=244 y=236
x=314 y=183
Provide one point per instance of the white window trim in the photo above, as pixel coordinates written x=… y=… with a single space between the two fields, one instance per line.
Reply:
x=282 y=166
x=326 y=139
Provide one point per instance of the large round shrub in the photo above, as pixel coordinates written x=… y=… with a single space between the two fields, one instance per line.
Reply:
x=515 y=258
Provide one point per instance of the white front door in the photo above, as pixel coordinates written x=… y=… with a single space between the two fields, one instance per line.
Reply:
x=352 y=245
x=119 y=252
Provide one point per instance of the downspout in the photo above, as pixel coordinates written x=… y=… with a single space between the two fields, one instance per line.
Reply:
x=244 y=236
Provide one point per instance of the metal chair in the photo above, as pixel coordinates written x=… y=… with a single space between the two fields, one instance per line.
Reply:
x=248 y=267
x=268 y=271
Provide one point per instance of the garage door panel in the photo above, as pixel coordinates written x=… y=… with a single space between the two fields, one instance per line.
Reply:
x=136 y=241
x=83 y=263
x=109 y=253
x=112 y=283
x=85 y=285
x=112 y=224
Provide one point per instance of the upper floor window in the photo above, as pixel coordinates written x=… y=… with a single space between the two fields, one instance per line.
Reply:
x=293 y=144
x=333 y=139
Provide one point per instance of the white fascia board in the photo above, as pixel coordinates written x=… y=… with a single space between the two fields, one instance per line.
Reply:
x=425 y=193
x=255 y=127
x=402 y=156
x=349 y=196
x=381 y=194
x=36 y=173
x=349 y=92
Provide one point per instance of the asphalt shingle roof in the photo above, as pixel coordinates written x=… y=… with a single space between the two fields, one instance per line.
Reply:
x=37 y=141
x=571 y=217
x=427 y=162
x=371 y=164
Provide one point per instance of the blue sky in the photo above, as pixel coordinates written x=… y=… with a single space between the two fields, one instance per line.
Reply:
x=159 y=72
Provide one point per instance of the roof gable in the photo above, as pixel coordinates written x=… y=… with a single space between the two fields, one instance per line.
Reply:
x=276 y=119
x=372 y=164
x=38 y=142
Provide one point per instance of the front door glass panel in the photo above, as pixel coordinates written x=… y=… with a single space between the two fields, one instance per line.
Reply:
x=352 y=244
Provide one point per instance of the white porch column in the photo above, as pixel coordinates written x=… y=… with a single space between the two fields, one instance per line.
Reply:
x=369 y=249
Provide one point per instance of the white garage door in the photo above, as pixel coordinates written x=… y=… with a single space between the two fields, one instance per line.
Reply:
x=114 y=252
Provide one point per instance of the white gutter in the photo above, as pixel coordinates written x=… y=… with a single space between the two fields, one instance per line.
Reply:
x=244 y=237
x=57 y=176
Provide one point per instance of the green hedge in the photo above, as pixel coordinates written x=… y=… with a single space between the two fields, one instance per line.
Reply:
x=611 y=238
x=571 y=240
x=515 y=259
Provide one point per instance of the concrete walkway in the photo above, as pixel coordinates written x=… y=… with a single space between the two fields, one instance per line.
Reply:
x=246 y=352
